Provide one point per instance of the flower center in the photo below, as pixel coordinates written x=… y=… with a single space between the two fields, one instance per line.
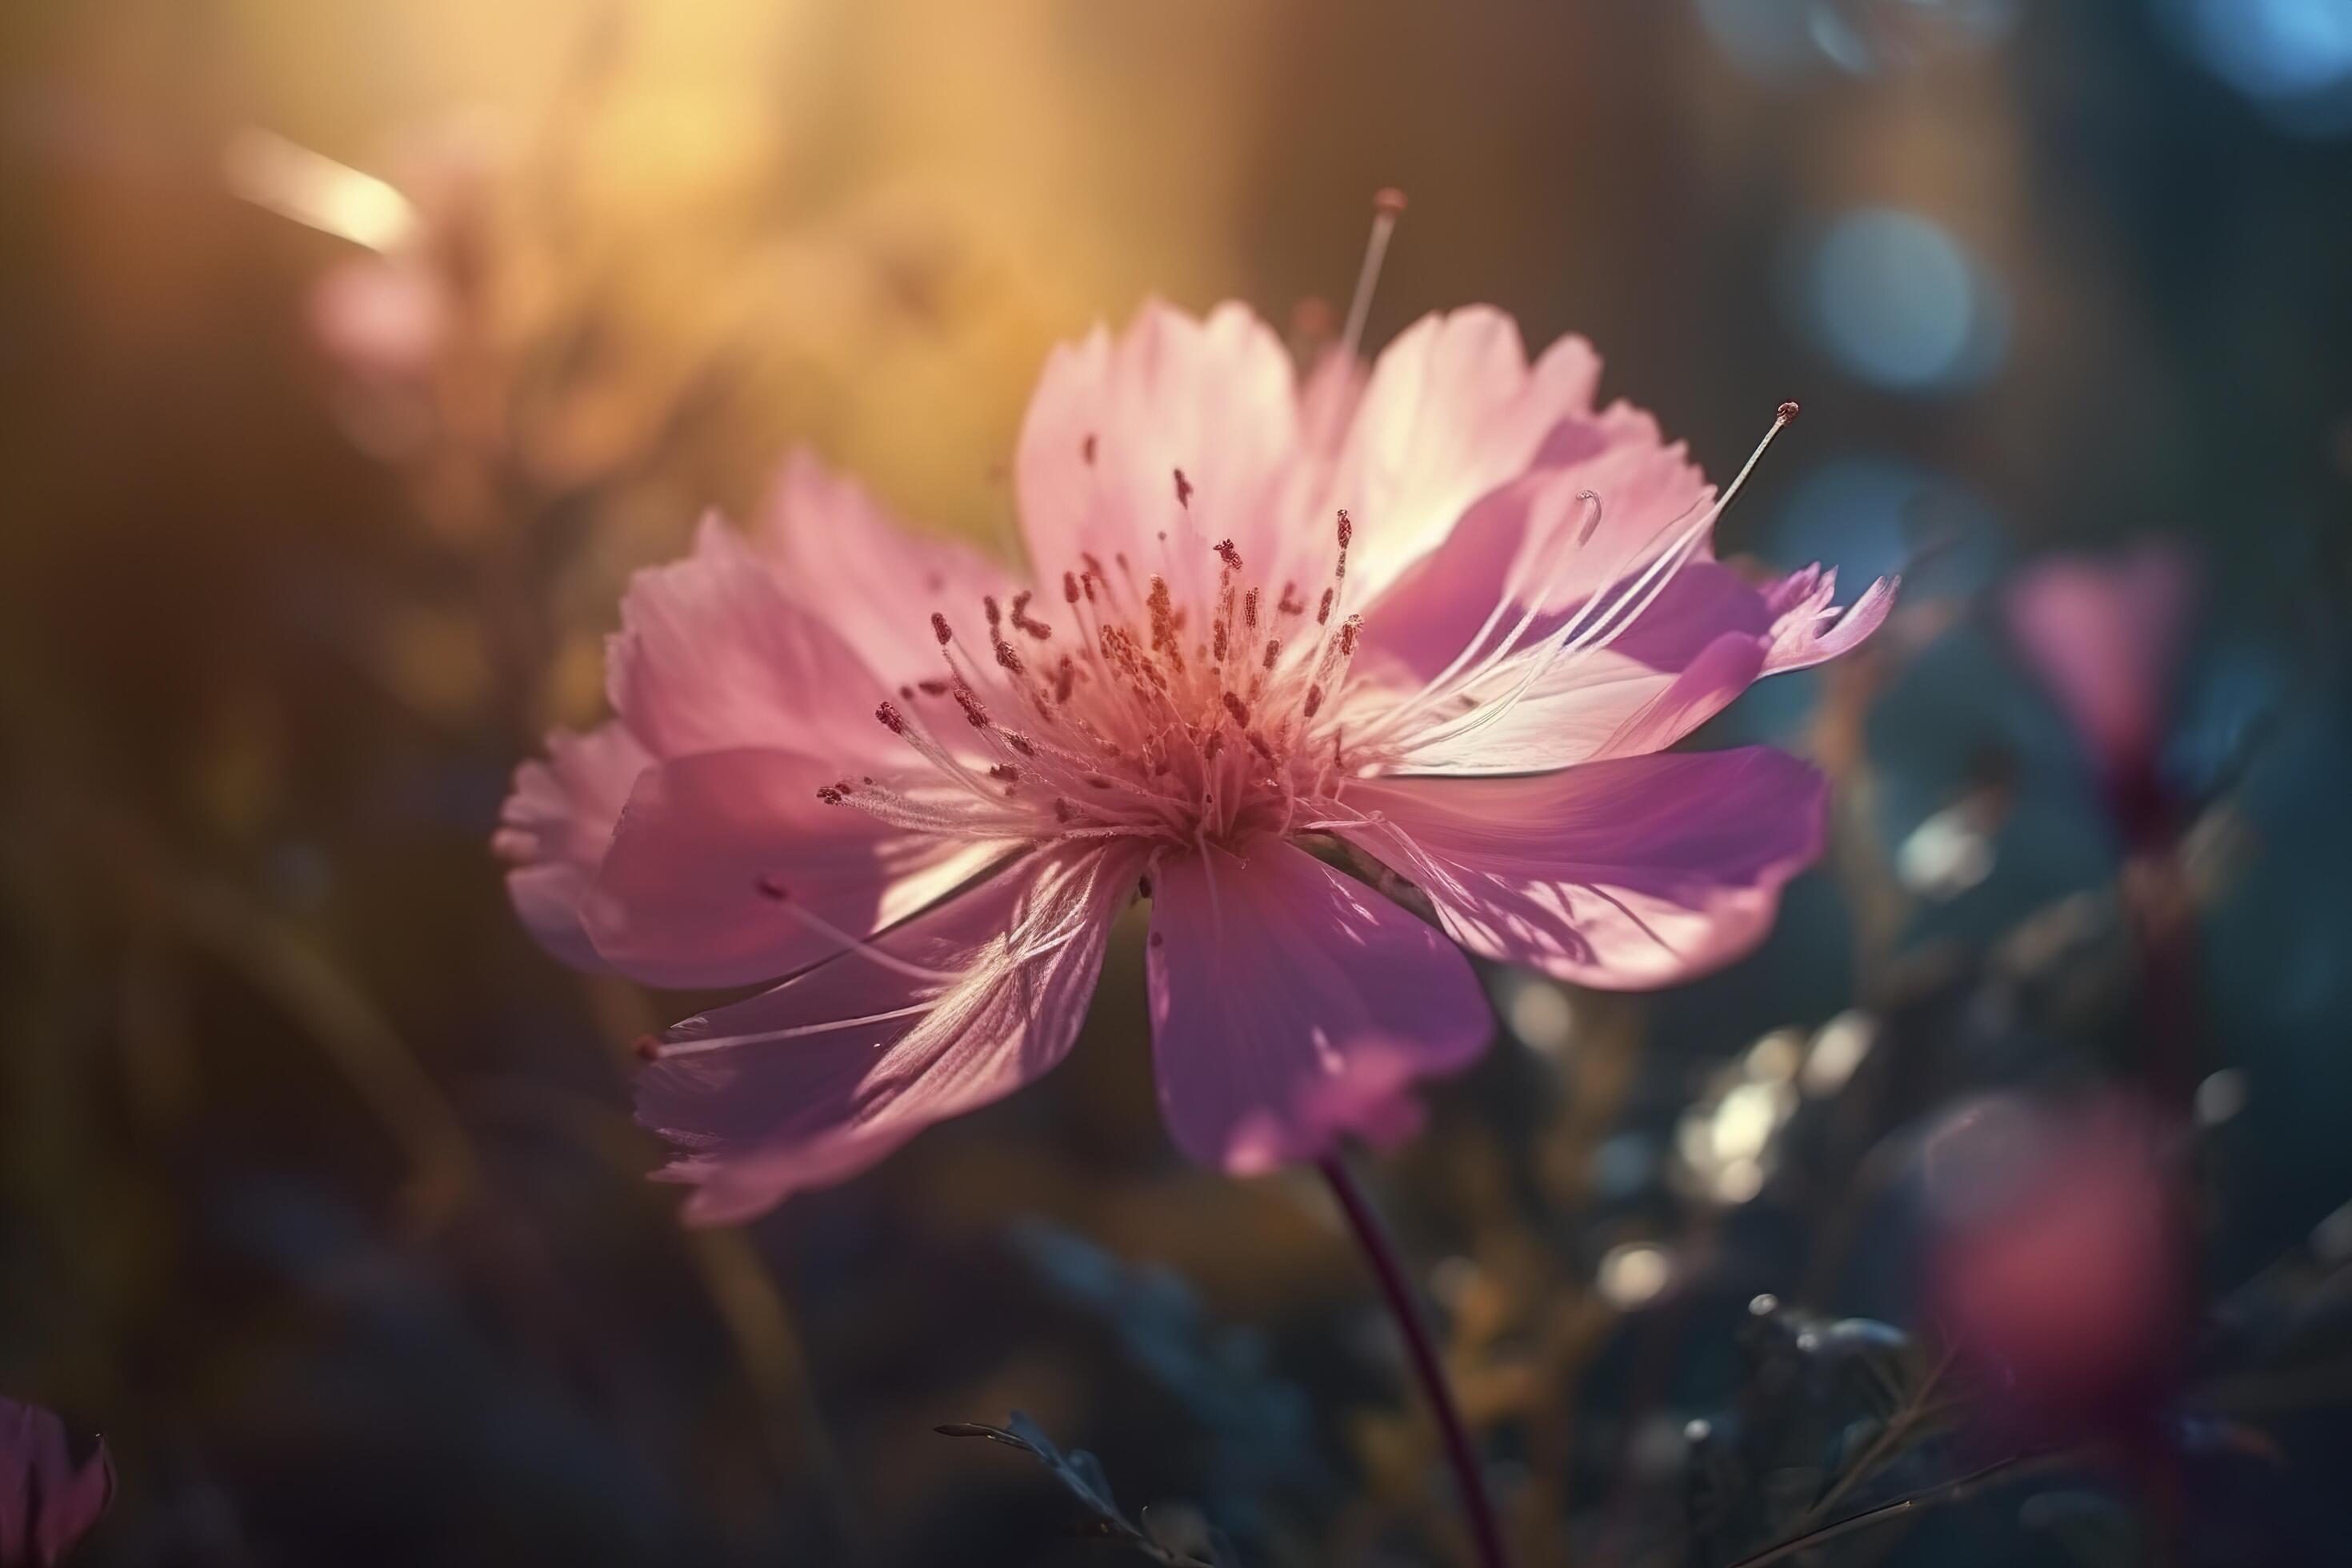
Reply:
x=1140 y=710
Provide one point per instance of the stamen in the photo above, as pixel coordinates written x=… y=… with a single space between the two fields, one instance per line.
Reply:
x=1388 y=205
x=1183 y=491
x=782 y=898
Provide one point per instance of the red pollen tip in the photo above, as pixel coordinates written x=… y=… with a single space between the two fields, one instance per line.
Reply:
x=1229 y=554
x=892 y=720
x=995 y=612
x=1069 y=587
x=939 y=628
x=1347 y=528
x=1183 y=491
x=1787 y=414
x=1273 y=651
x=1323 y=611
x=769 y=888
x=1389 y=202
x=648 y=1047
x=1086 y=450
x=1237 y=708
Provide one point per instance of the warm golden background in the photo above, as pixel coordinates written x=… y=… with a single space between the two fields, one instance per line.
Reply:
x=321 y=1196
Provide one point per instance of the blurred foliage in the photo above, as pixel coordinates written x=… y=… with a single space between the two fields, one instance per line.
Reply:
x=321 y=1199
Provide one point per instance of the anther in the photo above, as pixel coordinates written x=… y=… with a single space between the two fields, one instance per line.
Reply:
x=1249 y=611
x=892 y=720
x=1086 y=450
x=1069 y=587
x=939 y=628
x=932 y=688
x=1183 y=491
x=1314 y=700
x=1787 y=414
x=769 y=888
x=1229 y=554
x=1273 y=652
x=995 y=612
x=1323 y=611
x=1237 y=708
x=1004 y=771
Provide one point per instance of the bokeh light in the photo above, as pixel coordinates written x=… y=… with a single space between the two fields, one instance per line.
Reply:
x=1894 y=300
x=2294 y=58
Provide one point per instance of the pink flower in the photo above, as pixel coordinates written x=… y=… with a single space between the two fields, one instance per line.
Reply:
x=1444 y=614
x=2105 y=637
x=2059 y=1264
x=48 y=1498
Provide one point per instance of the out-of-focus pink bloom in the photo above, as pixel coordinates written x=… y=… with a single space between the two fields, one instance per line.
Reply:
x=381 y=318
x=48 y=1498
x=2106 y=637
x=2060 y=1266
x=1448 y=613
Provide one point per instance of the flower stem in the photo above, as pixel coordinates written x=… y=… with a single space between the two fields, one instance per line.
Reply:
x=1387 y=1269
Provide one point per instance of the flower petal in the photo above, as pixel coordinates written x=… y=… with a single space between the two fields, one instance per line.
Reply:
x=1524 y=546
x=1626 y=874
x=711 y=654
x=874 y=581
x=2105 y=636
x=813 y=1081
x=1699 y=644
x=1451 y=411
x=1807 y=627
x=1112 y=422
x=47 y=1499
x=726 y=869
x=1291 y=1003
x=554 y=827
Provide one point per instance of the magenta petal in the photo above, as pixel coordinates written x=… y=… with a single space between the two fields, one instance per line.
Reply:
x=47 y=1499
x=1626 y=874
x=712 y=654
x=840 y=554
x=728 y=869
x=816 y=1080
x=554 y=828
x=2105 y=636
x=1291 y=1005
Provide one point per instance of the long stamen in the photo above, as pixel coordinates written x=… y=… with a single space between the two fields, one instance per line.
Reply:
x=1588 y=631
x=1388 y=205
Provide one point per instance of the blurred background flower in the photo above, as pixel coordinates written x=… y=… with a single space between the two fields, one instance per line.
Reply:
x=357 y=354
